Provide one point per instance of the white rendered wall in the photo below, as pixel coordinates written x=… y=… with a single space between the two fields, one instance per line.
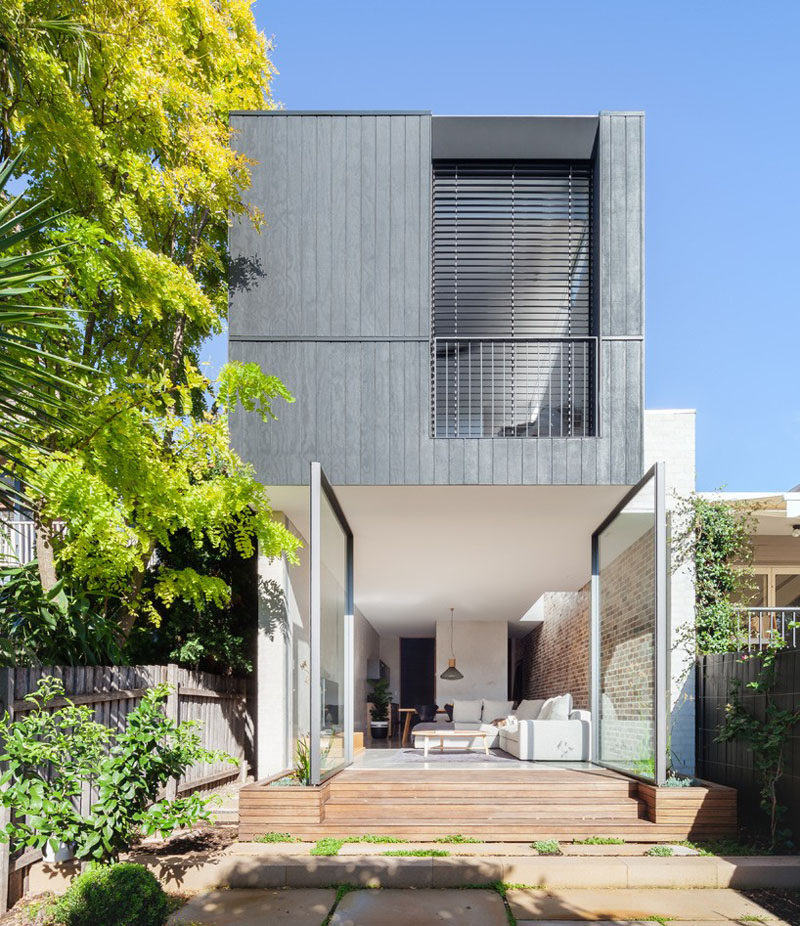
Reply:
x=366 y=645
x=669 y=435
x=481 y=649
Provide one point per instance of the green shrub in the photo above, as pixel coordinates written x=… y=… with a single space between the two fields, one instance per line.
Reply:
x=547 y=847
x=122 y=894
x=129 y=768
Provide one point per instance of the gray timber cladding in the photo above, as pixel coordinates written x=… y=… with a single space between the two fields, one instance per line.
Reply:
x=333 y=296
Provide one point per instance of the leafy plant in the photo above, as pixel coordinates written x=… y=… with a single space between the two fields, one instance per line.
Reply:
x=766 y=730
x=717 y=541
x=381 y=699
x=662 y=851
x=678 y=781
x=547 y=847
x=369 y=838
x=123 y=894
x=302 y=760
x=55 y=750
x=38 y=387
x=457 y=839
x=61 y=626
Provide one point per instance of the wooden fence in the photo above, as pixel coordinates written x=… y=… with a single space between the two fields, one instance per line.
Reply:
x=732 y=763
x=218 y=702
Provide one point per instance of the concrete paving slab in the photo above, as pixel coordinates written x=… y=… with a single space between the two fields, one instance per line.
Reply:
x=254 y=908
x=262 y=849
x=672 y=872
x=457 y=872
x=365 y=871
x=629 y=848
x=776 y=871
x=700 y=905
x=422 y=908
x=551 y=871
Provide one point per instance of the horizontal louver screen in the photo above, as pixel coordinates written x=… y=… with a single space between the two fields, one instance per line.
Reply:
x=511 y=248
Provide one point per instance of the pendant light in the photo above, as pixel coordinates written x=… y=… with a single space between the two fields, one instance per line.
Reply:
x=451 y=673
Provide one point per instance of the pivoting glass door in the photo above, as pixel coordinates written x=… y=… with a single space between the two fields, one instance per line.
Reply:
x=629 y=633
x=331 y=632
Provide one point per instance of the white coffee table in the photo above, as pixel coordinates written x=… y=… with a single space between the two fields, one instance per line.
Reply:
x=442 y=735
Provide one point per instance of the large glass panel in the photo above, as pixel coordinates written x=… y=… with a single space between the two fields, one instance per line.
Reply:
x=333 y=592
x=626 y=571
x=331 y=631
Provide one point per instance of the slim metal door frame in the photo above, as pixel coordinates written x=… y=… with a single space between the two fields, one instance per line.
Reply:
x=320 y=487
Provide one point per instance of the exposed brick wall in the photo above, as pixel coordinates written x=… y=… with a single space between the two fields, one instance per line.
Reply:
x=627 y=624
x=555 y=655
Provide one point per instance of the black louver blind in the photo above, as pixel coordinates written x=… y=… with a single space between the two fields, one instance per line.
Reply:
x=511 y=249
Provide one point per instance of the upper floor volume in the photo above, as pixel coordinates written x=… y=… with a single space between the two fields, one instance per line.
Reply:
x=452 y=299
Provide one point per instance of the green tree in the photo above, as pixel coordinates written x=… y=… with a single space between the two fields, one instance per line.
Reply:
x=122 y=108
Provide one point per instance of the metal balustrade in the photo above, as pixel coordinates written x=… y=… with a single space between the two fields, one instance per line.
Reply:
x=17 y=539
x=758 y=627
x=513 y=387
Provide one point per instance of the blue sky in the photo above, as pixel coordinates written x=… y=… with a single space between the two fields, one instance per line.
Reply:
x=719 y=84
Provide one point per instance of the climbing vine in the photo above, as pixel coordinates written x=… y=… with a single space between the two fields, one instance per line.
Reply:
x=715 y=538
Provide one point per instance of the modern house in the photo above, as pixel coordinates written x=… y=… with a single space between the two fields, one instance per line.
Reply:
x=457 y=304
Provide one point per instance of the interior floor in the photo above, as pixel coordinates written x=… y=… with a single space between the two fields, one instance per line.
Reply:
x=389 y=755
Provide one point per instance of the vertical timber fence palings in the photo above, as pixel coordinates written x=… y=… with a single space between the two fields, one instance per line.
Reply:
x=218 y=702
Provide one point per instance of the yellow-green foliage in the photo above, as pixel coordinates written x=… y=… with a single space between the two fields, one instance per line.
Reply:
x=122 y=109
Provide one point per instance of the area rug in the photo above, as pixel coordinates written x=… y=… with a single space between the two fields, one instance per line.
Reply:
x=454 y=755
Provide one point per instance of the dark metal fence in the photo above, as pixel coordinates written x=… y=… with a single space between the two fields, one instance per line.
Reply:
x=732 y=763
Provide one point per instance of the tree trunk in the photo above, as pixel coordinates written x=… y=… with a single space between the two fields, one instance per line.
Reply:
x=128 y=616
x=44 y=548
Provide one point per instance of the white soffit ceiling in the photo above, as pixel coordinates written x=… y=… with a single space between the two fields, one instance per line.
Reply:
x=487 y=551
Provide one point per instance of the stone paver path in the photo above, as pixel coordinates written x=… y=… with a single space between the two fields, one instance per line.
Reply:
x=701 y=905
x=471 y=907
x=398 y=907
x=257 y=907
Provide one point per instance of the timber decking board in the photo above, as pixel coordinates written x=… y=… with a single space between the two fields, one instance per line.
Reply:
x=508 y=805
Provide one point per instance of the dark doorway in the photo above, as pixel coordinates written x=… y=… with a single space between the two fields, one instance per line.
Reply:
x=417 y=670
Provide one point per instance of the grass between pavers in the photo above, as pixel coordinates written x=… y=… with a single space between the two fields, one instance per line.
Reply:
x=276 y=837
x=661 y=851
x=599 y=841
x=724 y=846
x=329 y=845
x=418 y=853
x=547 y=847
x=457 y=839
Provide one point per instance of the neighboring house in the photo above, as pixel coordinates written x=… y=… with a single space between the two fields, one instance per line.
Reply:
x=775 y=603
x=457 y=304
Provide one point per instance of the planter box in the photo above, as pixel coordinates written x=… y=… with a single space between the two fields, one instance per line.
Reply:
x=706 y=810
x=264 y=808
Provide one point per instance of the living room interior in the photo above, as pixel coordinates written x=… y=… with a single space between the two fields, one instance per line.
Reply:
x=504 y=611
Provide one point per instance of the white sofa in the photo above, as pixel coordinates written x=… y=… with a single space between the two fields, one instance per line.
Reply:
x=538 y=737
x=541 y=730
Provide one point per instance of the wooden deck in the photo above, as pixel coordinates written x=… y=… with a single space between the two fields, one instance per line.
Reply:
x=517 y=805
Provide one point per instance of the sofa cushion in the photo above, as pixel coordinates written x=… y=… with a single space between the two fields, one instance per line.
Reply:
x=529 y=710
x=557 y=708
x=494 y=710
x=467 y=711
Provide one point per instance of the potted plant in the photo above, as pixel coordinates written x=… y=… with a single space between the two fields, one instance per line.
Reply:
x=381 y=699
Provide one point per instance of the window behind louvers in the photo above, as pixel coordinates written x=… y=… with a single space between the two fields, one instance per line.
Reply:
x=511 y=249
